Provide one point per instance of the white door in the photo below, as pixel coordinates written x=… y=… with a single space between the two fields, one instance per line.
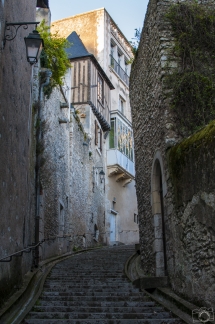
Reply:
x=112 y=228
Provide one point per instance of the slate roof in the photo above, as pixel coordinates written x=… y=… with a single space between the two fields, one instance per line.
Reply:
x=78 y=50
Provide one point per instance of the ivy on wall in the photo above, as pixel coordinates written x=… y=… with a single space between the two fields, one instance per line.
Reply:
x=53 y=56
x=193 y=81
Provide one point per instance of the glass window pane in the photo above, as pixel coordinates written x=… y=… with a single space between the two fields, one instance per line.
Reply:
x=112 y=134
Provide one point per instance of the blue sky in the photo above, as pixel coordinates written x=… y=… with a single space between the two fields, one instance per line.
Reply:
x=127 y=14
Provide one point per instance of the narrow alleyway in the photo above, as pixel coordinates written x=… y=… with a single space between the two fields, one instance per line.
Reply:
x=92 y=288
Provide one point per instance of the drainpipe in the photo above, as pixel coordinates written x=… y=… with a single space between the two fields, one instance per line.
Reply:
x=48 y=75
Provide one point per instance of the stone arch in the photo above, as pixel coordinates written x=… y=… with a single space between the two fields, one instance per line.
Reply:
x=158 y=191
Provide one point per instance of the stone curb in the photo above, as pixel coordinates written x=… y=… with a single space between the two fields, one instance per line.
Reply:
x=171 y=298
x=18 y=306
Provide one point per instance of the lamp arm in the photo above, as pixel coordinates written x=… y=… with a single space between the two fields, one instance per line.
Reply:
x=13 y=32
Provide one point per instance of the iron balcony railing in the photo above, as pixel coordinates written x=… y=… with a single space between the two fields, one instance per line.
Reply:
x=117 y=68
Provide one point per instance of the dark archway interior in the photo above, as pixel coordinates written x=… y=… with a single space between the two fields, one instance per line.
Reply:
x=159 y=223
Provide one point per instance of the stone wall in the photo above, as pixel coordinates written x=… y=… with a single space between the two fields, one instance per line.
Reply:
x=148 y=107
x=167 y=239
x=87 y=193
x=72 y=200
x=192 y=170
x=17 y=159
x=54 y=206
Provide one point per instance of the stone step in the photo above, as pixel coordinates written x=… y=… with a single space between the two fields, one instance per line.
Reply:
x=76 y=315
x=105 y=287
x=92 y=288
x=92 y=298
x=84 y=279
x=84 y=293
x=80 y=274
x=90 y=281
x=98 y=309
x=81 y=303
x=103 y=321
x=92 y=292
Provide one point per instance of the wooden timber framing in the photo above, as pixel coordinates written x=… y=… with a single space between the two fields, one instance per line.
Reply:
x=85 y=72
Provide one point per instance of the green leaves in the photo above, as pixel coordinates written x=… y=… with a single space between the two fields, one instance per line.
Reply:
x=193 y=82
x=54 y=56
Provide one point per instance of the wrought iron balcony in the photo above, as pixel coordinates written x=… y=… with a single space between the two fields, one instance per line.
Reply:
x=117 y=68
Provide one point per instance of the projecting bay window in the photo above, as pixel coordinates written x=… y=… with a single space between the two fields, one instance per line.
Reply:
x=100 y=89
x=121 y=138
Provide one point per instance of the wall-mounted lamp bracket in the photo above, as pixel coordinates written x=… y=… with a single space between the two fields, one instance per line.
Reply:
x=101 y=173
x=11 y=30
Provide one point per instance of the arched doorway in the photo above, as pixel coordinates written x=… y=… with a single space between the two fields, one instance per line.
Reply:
x=158 y=188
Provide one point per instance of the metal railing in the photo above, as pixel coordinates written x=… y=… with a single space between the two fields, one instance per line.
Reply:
x=117 y=68
x=30 y=248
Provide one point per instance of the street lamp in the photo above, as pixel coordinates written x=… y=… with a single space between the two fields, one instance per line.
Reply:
x=34 y=45
x=102 y=175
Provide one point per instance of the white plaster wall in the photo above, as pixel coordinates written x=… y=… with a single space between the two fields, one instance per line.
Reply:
x=100 y=26
x=126 y=205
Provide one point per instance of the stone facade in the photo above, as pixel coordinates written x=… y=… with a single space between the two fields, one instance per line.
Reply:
x=17 y=157
x=87 y=193
x=176 y=236
x=54 y=192
x=73 y=198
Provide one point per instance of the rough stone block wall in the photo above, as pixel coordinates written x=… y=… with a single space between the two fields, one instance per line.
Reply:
x=17 y=162
x=154 y=134
x=54 y=175
x=87 y=196
x=148 y=115
x=192 y=170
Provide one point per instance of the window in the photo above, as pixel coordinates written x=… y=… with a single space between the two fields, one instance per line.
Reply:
x=96 y=180
x=100 y=89
x=121 y=138
x=136 y=218
x=126 y=67
x=121 y=105
x=61 y=218
x=112 y=55
x=98 y=136
x=119 y=58
x=114 y=203
x=112 y=133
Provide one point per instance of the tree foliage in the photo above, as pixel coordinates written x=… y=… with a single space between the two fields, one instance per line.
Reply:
x=193 y=81
x=54 y=56
x=136 y=40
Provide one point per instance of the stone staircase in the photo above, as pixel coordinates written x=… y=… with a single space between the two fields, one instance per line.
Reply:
x=92 y=288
